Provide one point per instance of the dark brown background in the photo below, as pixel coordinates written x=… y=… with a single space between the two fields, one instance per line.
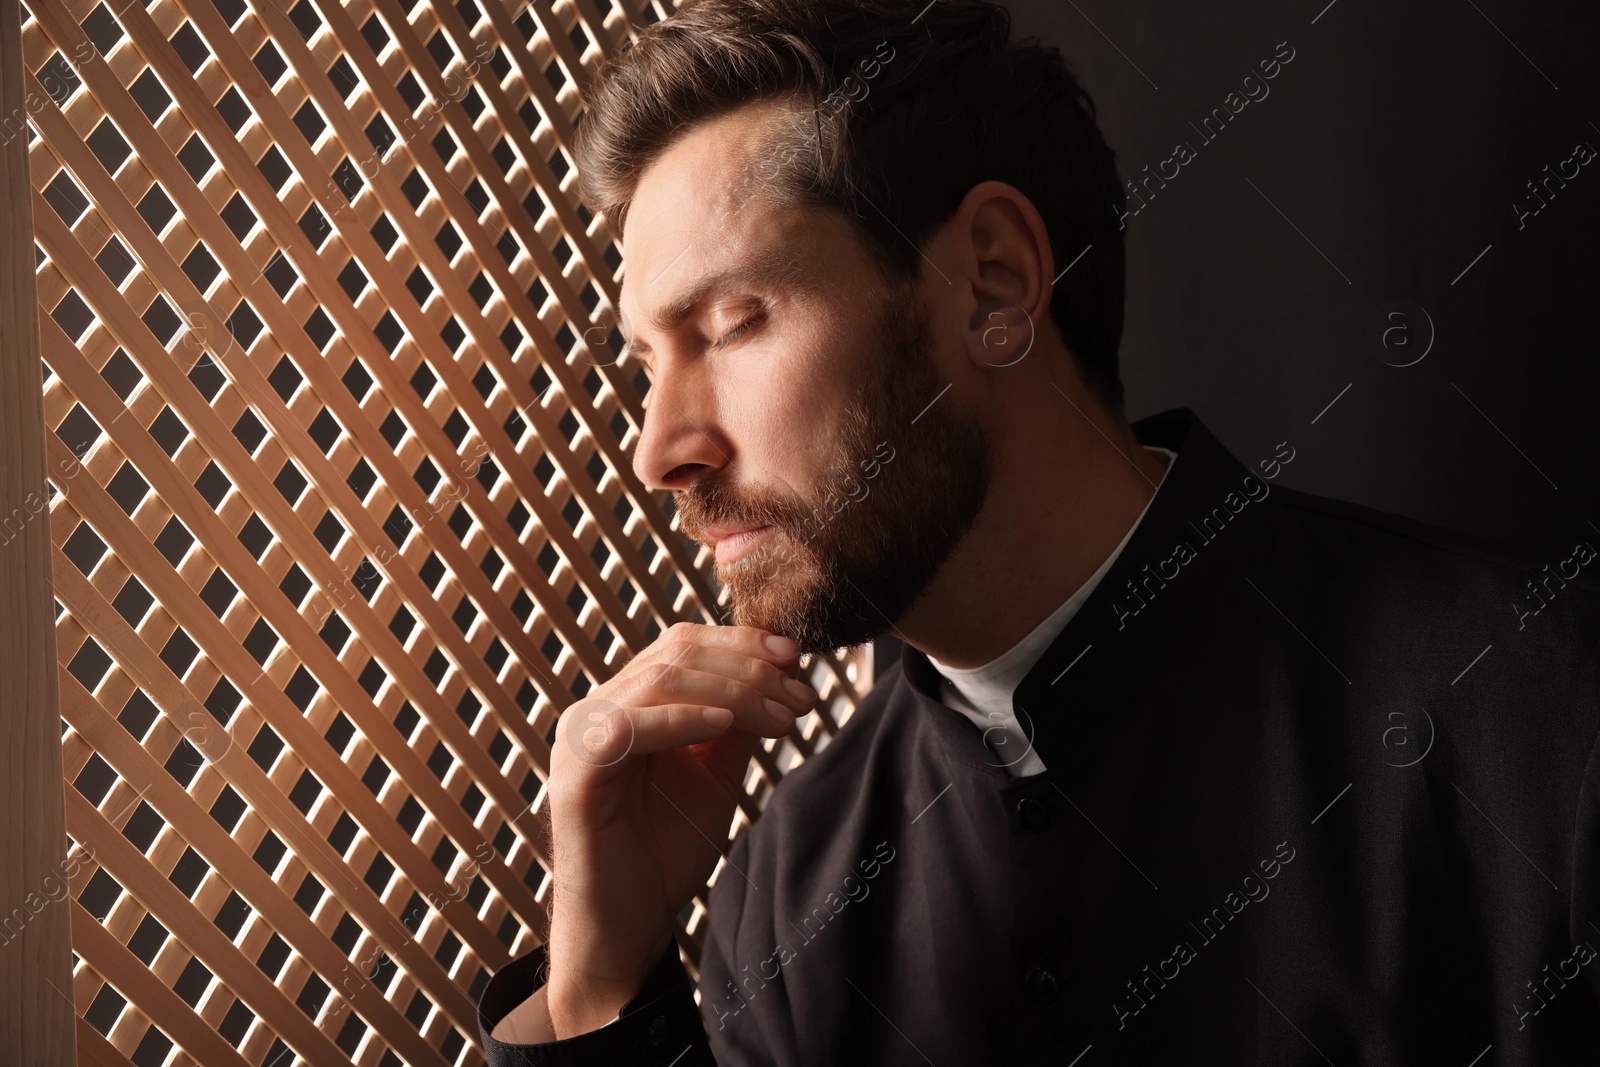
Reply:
x=1397 y=140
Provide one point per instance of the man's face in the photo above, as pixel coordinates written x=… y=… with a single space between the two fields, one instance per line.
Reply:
x=797 y=407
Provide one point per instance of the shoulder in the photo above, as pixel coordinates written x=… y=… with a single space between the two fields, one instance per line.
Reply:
x=1386 y=531
x=1415 y=607
x=1365 y=545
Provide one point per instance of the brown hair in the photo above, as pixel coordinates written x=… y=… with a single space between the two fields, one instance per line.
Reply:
x=909 y=105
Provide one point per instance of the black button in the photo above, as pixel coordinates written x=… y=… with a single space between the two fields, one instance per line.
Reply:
x=1041 y=985
x=1034 y=813
x=659 y=1033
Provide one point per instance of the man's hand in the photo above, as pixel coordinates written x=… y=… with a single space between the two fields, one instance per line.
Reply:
x=644 y=776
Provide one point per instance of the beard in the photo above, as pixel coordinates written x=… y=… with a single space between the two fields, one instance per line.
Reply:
x=907 y=478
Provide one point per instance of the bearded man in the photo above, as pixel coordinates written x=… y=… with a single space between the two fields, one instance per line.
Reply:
x=1178 y=764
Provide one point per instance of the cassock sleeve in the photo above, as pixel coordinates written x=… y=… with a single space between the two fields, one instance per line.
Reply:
x=660 y=1026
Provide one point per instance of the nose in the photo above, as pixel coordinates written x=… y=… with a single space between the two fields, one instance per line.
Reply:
x=680 y=442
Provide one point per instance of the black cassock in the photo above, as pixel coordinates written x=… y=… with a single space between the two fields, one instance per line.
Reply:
x=1323 y=787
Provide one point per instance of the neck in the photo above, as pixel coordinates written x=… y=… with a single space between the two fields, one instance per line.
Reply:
x=1069 y=480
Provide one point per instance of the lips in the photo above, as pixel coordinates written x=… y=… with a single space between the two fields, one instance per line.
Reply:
x=733 y=543
x=718 y=531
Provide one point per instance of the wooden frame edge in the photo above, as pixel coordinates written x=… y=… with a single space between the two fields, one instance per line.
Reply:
x=37 y=1017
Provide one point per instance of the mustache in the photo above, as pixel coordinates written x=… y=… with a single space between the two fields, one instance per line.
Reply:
x=707 y=504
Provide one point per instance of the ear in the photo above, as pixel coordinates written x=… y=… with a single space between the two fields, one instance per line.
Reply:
x=1010 y=269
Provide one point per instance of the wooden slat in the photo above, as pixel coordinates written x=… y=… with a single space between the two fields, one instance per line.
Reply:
x=98 y=399
x=127 y=864
x=164 y=1008
x=411 y=497
x=252 y=784
x=256 y=887
x=96 y=1051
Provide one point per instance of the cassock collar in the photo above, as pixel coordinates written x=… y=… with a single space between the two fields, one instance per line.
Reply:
x=1088 y=658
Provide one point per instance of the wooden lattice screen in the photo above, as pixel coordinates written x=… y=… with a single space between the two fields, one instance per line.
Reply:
x=342 y=506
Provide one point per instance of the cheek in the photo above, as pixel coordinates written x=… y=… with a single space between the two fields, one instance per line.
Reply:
x=785 y=407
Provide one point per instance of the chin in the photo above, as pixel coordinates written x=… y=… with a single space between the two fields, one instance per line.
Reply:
x=790 y=599
x=816 y=621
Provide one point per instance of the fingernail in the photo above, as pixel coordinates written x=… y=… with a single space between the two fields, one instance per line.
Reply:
x=799 y=690
x=780 y=714
x=782 y=646
x=717 y=717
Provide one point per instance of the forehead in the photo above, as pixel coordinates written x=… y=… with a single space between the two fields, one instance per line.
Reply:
x=713 y=202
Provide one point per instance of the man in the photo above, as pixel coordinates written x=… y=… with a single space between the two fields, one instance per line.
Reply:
x=1179 y=765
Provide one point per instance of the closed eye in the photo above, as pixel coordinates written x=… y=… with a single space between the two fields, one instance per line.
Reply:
x=737 y=332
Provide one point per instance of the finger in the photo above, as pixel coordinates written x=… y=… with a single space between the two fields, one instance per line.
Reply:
x=760 y=674
x=749 y=640
x=681 y=639
x=664 y=726
x=752 y=709
x=605 y=734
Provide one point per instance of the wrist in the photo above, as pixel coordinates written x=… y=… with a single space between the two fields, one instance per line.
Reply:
x=528 y=1023
x=580 y=999
x=579 y=1009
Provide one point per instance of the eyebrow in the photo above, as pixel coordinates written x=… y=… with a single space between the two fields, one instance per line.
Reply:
x=766 y=268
